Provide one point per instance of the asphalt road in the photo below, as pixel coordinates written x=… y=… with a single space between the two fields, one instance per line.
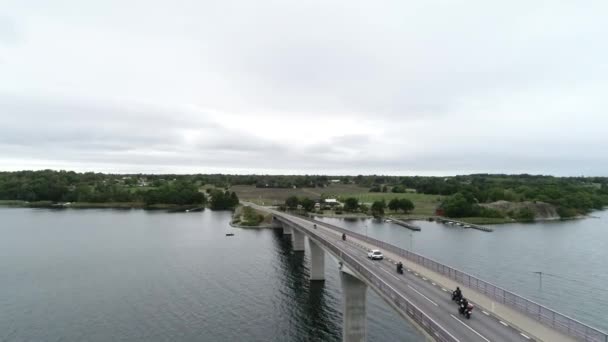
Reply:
x=434 y=300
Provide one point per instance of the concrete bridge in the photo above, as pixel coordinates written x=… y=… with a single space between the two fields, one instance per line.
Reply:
x=422 y=295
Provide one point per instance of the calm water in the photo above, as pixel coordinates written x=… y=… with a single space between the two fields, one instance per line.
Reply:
x=105 y=275
x=573 y=255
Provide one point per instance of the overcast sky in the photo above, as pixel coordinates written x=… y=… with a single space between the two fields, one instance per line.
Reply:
x=332 y=87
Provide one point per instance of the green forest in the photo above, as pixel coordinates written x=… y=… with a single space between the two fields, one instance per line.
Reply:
x=461 y=195
x=43 y=187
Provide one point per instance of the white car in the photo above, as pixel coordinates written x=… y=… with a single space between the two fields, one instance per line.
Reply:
x=375 y=254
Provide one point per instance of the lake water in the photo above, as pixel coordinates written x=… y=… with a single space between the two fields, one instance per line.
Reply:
x=134 y=275
x=573 y=256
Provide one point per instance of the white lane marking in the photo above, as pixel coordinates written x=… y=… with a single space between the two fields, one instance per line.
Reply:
x=444 y=289
x=434 y=284
x=427 y=298
x=416 y=274
x=503 y=323
x=392 y=275
x=423 y=278
x=409 y=270
x=485 y=313
x=427 y=316
x=524 y=335
x=466 y=325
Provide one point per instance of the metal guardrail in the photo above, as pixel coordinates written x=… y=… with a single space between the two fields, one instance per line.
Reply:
x=547 y=316
x=411 y=310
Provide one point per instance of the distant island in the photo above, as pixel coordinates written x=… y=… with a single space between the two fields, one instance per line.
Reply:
x=477 y=198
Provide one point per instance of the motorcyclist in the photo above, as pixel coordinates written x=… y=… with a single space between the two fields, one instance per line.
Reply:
x=344 y=236
x=457 y=294
x=464 y=304
x=400 y=267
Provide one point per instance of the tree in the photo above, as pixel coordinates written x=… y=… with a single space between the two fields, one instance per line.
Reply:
x=351 y=204
x=400 y=204
x=525 y=214
x=378 y=208
x=394 y=204
x=398 y=189
x=292 y=202
x=308 y=204
x=457 y=206
x=406 y=205
x=223 y=200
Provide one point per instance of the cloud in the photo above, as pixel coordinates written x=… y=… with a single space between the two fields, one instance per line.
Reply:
x=305 y=87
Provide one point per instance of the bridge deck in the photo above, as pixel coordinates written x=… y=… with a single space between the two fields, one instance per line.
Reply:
x=431 y=292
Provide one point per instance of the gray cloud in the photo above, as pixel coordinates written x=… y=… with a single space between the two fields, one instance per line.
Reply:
x=304 y=87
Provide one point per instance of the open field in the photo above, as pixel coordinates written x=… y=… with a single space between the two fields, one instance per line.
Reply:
x=425 y=204
x=272 y=196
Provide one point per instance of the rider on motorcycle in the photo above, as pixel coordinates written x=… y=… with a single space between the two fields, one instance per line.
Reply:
x=457 y=293
x=400 y=267
x=343 y=236
x=464 y=304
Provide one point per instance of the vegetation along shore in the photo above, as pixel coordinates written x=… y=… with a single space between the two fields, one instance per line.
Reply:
x=478 y=198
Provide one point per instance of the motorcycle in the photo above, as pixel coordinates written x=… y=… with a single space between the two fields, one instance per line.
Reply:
x=456 y=296
x=343 y=237
x=400 y=268
x=466 y=311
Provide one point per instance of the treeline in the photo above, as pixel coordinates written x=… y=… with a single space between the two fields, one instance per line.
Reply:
x=351 y=204
x=64 y=186
x=572 y=196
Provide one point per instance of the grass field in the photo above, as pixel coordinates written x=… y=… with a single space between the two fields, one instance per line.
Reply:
x=272 y=196
x=425 y=204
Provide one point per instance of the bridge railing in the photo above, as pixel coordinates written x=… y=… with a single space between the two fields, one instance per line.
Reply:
x=412 y=311
x=547 y=316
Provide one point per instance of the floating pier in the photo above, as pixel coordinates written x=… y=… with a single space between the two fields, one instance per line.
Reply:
x=463 y=224
x=405 y=224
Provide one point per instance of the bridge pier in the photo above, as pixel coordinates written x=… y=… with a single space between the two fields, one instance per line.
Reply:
x=317 y=261
x=354 y=327
x=276 y=223
x=297 y=239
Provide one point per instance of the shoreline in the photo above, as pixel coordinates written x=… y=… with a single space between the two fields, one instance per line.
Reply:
x=103 y=205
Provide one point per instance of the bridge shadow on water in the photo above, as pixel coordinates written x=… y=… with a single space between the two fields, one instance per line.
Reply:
x=316 y=311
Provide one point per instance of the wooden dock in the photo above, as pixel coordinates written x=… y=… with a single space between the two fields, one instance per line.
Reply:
x=405 y=224
x=463 y=224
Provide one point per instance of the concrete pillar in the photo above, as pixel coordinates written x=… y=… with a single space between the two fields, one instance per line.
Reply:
x=276 y=223
x=297 y=238
x=354 y=326
x=287 y=230
x=317 y=261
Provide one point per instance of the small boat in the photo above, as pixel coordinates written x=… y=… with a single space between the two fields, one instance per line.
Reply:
x=229 y=234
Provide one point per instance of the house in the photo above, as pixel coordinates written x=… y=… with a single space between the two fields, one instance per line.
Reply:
x=331 y=201
x=334 y=181
x=317 y=206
